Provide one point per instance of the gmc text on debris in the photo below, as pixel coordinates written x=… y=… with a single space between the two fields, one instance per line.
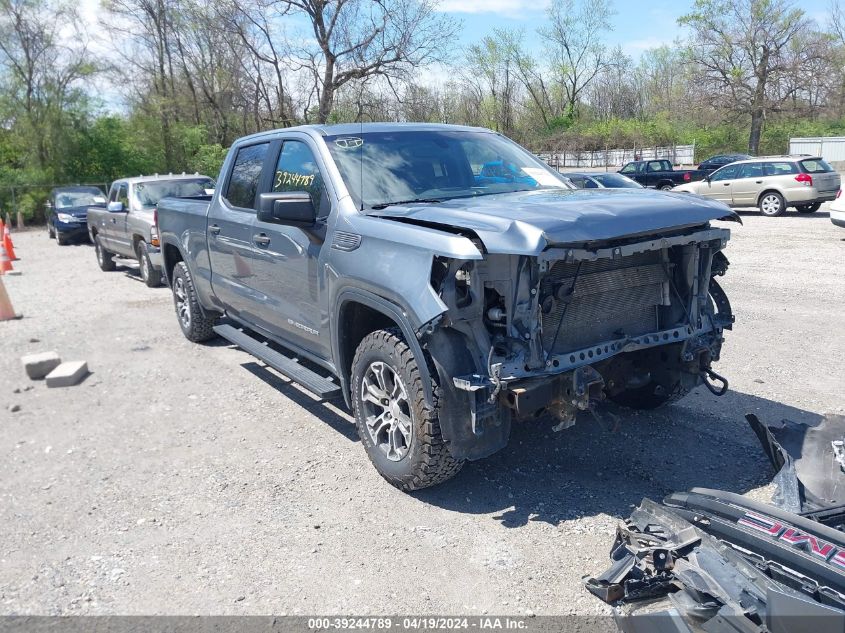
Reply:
x=445 y=282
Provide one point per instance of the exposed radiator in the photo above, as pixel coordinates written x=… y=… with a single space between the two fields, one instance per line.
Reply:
x=610 y=299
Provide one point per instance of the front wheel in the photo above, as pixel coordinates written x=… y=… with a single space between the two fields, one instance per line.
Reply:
x=61 y=240
x=398 y=426
x=196 y=326
x=150 y=276
x=772 y=204
x=808 y=208
x=104 y=258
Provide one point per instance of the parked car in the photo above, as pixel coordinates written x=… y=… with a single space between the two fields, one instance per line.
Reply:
x=659 y=174
x=720 y=160
x=376 y=263
x=127 y=226
x=837 y=210
x=602 y=181
x=66 y=212
x=771 y=183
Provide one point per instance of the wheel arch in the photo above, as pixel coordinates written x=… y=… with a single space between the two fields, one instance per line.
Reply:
x=359 y=313
x=171 y=254
x=772 y=190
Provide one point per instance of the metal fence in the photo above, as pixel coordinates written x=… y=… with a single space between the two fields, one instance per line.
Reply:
x=565 y=158
x=831 y=148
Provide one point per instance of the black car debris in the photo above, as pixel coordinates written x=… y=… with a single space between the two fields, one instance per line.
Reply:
x=716 y=562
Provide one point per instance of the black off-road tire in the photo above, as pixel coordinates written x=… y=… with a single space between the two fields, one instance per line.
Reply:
x=808 y=208
x=149 y=275
x=197 y=327
x=428 y=461
x=104 y=258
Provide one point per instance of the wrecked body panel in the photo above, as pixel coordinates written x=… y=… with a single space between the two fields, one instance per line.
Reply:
x=715 y=562
x=528 y=222
x=808 y=462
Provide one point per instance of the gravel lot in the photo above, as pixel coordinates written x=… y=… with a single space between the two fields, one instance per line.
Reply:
x=187 y=479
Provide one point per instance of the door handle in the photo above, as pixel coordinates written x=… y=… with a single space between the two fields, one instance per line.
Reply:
x=113 y=221
x=214 y=229
x=726 y=184
x=261 y=239
x=758 y=182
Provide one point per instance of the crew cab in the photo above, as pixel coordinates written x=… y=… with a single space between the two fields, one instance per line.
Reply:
x=126 y=227
x=659 y=174
x=380 y=264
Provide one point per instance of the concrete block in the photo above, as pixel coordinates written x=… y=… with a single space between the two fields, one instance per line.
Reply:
x=67 y=374
x=39 y=365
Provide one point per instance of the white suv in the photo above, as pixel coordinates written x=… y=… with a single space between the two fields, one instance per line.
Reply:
x=770 y=183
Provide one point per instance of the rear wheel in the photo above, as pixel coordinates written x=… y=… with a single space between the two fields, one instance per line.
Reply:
x=772 y=204
x=150 y=276
x=808 y=208
x=196 y=326
x=398 y=426
x=104 y=258
x=665 y=187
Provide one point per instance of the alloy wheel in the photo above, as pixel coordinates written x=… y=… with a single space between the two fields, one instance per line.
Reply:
x=387 y=411
x=183 y=308
x=770 y=204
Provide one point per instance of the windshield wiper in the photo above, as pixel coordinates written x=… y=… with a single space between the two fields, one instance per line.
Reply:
x=384 y=205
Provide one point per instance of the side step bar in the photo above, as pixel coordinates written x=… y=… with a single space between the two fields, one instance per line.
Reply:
x=285 y=365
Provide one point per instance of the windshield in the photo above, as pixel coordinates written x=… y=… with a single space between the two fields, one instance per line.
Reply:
x=147 y=194
x=380 y=168
x=616 y=181
x=87 y=198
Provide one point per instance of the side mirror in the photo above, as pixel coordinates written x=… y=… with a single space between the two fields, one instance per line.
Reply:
x=116 y=207
x=294 y=208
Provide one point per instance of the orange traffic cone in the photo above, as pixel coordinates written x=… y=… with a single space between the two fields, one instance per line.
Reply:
x=5 y=262
x=7 y=312
x=242 y=268
x=7 y=242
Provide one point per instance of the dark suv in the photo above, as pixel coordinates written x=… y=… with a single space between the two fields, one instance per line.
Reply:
x=720 y=160
x=67 y=211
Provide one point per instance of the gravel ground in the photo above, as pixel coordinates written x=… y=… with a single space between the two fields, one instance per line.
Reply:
x=184 y=479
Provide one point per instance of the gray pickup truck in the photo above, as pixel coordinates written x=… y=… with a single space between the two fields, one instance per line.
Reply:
x=384 y=264
x=126 y=227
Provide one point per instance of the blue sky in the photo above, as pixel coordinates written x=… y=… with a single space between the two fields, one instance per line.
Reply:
x=637 y=25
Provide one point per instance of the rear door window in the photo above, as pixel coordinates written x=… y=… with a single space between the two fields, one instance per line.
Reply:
x=246 y=172
x=656 y=165
x=751 y=170
x=815 y=166
x=779 y=168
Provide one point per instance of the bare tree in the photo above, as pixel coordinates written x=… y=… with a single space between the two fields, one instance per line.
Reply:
x=353 y=40
x=575 y=33
x=492 y=71
x=743 y=48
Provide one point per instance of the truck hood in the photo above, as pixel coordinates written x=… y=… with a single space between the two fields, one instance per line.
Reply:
x=528 y=222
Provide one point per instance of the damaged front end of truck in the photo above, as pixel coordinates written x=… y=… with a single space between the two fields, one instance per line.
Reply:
x=637 y=320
